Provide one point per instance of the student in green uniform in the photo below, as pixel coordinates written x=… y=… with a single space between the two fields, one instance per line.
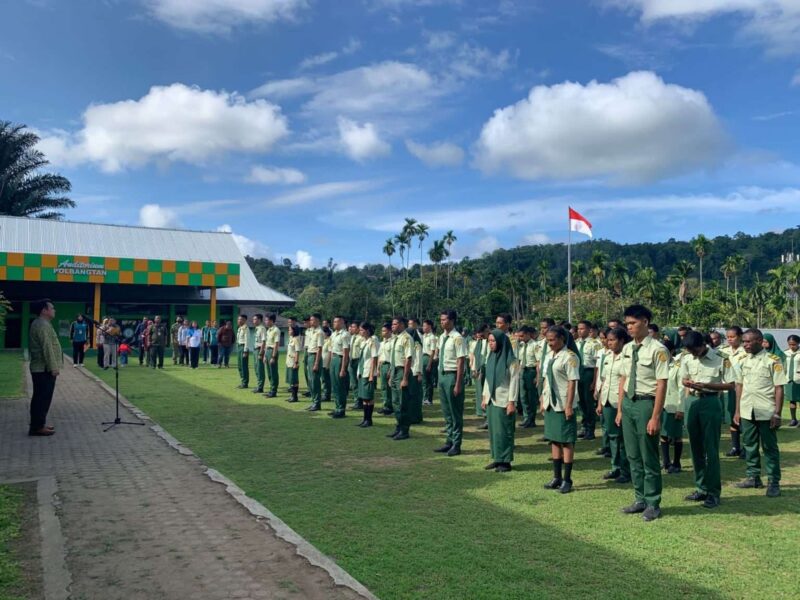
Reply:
x=314 y=360
x=609 y=371
x=587 y=352
x=469 y=340
x=402 y=352
x=340 y=364
x=415 y=383
x=428 y=351
x=356 y=341
x=559 y=400
x=673 y=413
x=260 y=333
x=304 y=346
x=498 y=397
x=704 y=374
x=245 y=342
x=605 y=445
x=326 y=364
x=760 y=378
x=272 y=346
x=642 y=389
x=452 y=358
x=385 y=361
x=734 y=352
x=368 y=371
x=792 y=390
x=544 y=326
x=479 y=356
x=528 y=394
x=293 y=362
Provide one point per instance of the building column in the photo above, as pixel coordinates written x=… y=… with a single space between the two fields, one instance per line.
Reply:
x=213 y=304
x=96 y=308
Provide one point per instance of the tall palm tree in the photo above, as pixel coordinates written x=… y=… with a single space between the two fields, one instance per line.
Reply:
x=437 y=254
x=727 y=270
x=422 y=233
x=24 y=191
x=449 y=239
x=388 y=250
x=409 y=231
x=598 y=263
x=543 y=272
x=681 y=272
x=701 y=245
x=737 y=267
x=466 y=270
x=578 y=271
x=619 y=275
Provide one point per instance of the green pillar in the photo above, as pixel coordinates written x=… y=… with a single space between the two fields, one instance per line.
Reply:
x=25 y=316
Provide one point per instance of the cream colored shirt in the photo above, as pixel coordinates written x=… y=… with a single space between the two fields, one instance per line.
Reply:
x=566 y=368
x=792 y=366
x=273 y=336
x=356 y=342
x=326 y=353
x=292 y=350
x=588 y=350
x=759 y=374
x=608 y=377
x=429 y=343
x=385 y=355
x=528 y=354
x=370 y=349
x=402 y=349
x=416 y=363
x=314 y=339
x=451 y=348
x=651 y=366
x=339 y=341
x=260 y=336
x=674 y=401
x=507 y=390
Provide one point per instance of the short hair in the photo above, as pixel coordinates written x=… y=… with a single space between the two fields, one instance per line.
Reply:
x=617 y=321
x=39 y=305
x=793 y=338
x=653 y=327
x=368 y=327
x=527 y=329
x=620 y=333
x=506 y=317
x=317 y=316
x=428 y=322
x=566 y=325
x=241 y=316
x=693 y=339
x=684 y=328
x=272 y=317
x=413 y=319
x=549 y=320
x=736 y=329
x=638 y=311
x=180 y=319
x=450 y=314
x=259 y=316
x=340 y=317
x=755 y=332
x=387 y=325
x=482 y=327
x=401 y=320
x=585 y=323
x=326 y=330
x=669 y=345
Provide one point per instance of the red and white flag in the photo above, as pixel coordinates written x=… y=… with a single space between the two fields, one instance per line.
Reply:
x=579 y=223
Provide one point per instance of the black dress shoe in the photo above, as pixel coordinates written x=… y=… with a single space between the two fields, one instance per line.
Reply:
x=454 y=451
x=241 y=386
x=445 y=448
x=651 y=513
x=600 y=451
x=636 y=507
x=622 y=479
x=773 y=489
x=696 y=496
x=503 y=468
x=524 y=424
x=291 y=400
x=589 y=436
x=566 y=487
x=711 y=502
x=258 y=391
x=307 y=394
x=365 y=424
x=582 y=435
x=733 y=452
x=611 y=475
x=401 y=436
x=674 y=469
x=394 y=433
x=483 y=426
x=314 y=408
x=338 y=415
x=491 y=465
x=270 y=394
x=750 y=483
x=554 y=484
x=331 y=413
x=386 y=411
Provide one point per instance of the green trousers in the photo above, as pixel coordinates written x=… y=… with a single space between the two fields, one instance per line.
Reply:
x=478 y=383
x=305 y=371
x=352 y=371
x=340 y=386
x=755 y=433
x=313 y=380
x=501 y=433
x=272 y=371
x=703 y=421
x=401 y=401
x=415 y=391
x=452 y=407
x=244 y=366
x=427 y=379
x=619 y=458
x=386 y=386
x=642 y=450
x=326 y=383
x=261 y=372
x=585 y=399
x=529 y=395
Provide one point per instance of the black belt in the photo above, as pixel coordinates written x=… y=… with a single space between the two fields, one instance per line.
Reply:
x=449 y=372
x=398 y=368
x=705 y=394
x=639 y=397
x=529 y=369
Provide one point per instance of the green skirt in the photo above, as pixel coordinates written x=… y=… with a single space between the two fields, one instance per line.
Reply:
x=559 y=429
x=671 y=427
x=366 y=390
x=292 y=377
x=792 y=392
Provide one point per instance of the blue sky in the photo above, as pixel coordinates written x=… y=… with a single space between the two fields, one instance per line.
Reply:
x=311 y=128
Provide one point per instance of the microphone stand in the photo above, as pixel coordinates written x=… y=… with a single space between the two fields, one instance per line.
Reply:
x=115 y=339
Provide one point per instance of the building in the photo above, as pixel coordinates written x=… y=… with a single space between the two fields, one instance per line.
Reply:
x=123 y=272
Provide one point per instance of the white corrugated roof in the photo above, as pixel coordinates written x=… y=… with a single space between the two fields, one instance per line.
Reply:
x=44 y=236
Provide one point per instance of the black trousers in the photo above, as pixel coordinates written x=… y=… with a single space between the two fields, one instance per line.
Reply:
x=100 y=356
x=194 y=356
x=77 y=352
x=156 y=358
x=184 y=359
x=214 y=353
x=43 y=386
x=142 y=353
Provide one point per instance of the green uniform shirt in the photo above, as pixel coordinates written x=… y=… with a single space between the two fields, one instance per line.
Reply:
x=566 y=368
x=339 y=341
x=157 y=335
x=173 y=332
x=45 y=351
x=451 y=348
x=402 y=349
x=759 y=374
x=652 y=364
x=611 y=366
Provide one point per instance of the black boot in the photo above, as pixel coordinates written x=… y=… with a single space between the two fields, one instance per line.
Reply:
x=665 y=461
x=676 y=464
x=368 y=408
x=293 y=392
x=736 y=447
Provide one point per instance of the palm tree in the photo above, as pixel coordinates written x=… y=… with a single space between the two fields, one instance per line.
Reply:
x=647 y=283
x=409 y=231
x=437 y=254
x=701 y=244
x=727 y=270
x=466 y=270
x=681 y=272
x=422 y=233
x=598 y=262
x=619 y=276
x=543 y=271
x=388 y=250
x=578 y=268
x=737 y=266
x=449 y=239
x=402 y=240
x=24 y=192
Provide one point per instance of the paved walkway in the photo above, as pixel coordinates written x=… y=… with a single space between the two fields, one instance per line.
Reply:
x=139 y=520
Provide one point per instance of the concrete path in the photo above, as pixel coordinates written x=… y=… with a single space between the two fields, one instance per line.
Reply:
x=141 y=521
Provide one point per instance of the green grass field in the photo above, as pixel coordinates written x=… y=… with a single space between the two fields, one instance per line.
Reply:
x=10 y=525
x=409 y=523
x=11 y=363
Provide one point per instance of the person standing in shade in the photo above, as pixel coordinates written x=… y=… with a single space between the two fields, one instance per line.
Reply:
x=340 y=362
x=587 y=351
x=260 y=340
x=225 y=339
x=609 y=371
x=293 y=362
x=734 y=352
x=385 y=361
x=559 y=399
x=498 y=398
x=792 y=390
x=157 y=336
x=356 y=341
x=760 y=378
x=428 y=352
x=415 y=383
x=205 y=350
x=174 y=341
x=325 y=378
x=194 y=343
x=528 y=394
x=183 y=339
x=368 y=371
x=704 y=374
x=273 y=345
x=78 y=335
x=673 y=414
x=245 y=342
x=452 y=355
x=139 y=339
x=213 y=343
x=46 y=361
x=478 y=367
x=401 y=357
x=642 y=389
x=314 y=341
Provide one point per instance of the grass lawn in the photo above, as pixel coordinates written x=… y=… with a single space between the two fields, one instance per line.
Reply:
x=11 y=363
x=10 y=525
x=409 y=523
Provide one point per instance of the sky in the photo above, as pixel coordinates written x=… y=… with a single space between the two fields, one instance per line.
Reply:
x=310 y=128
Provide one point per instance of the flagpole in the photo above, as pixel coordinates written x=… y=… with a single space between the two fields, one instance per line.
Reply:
x=569 y=269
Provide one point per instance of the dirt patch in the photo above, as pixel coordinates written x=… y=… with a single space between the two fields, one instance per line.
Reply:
x=26 y=548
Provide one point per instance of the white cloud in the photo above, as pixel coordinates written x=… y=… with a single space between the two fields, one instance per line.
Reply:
x=247 y=246
x=154 y=215
x=472 y=62
x=318 y=60
x=220 y=16
x=304 y=260
x=439 y=40
x=322 y=191
x=634 y=129
x=536 y=239
x=273 y=175
x=774 y=23
x=486 y=244
x=438 y=154
x=361 y=142
x=796 y=79
x=169 y=124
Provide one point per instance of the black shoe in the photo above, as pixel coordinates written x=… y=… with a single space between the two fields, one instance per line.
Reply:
x=445 y=448
x=607 y=454
x=651 y=513
x=386 y=411
x=401 y=436
x=241 y=386
x=696 y=496
x=582 y=434
x=750 y=483
x=365 y=424
x=554 y=484
x=773 y=489
x=589 y=436
x=306 y=394
x=394 y=433
x=793 y=423
x=483 y=426
x=331 y=413
x=622 y=479
x=636 y=507
x=491 y=465
x=525 y=424
x=271 y=394
x=733 y=452
x=566 y=487
x=674 y=469
x=600 y=451
x=711 y=502
x=291 y=400
x=338 y=415
x=314 y=408
x=258 y=391
x=611 y=475
x=503 y=468
x=454 y=451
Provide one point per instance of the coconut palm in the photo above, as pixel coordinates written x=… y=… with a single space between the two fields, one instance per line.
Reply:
x=449 y=239
x=737 y=268
x=701 y=245
x=437 y=253
x=543 y=276
x=24 y=191
x=681 y=272
x=598 y=264
x=388 y=250
x=619 y=276
x=727 y=270
x=422 y=233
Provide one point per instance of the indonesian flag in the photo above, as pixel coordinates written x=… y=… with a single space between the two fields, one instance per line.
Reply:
x=579 y=223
